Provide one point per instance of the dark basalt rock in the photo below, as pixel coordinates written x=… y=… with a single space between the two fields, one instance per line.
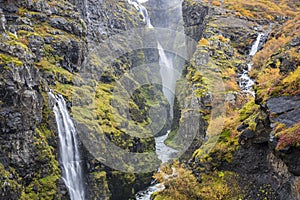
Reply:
x=242 y=127
x=69 y=26
x=285 y=110
x=246 y=135
x=291 y=158
x=194 y=17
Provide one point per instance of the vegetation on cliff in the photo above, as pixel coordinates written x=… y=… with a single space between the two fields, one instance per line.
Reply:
x=247 y=130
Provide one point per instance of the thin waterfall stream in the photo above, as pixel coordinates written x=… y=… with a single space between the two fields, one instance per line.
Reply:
x=69 y=151
x=245 y=82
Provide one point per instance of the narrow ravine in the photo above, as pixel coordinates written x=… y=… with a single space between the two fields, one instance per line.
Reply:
x=169 y=78
x=164 y=153
x=69 y=152
x=245 y=82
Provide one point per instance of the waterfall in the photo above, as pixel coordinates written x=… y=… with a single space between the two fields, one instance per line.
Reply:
x=69 y=152
x=255 y=46
x=143 y=11
x=167 y=76
x=246 y=82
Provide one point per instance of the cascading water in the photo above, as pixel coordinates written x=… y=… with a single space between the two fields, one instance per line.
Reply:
x=246 y=82
x=69 y=152
x=140 y=8
x=169 y=76
x=255 y=46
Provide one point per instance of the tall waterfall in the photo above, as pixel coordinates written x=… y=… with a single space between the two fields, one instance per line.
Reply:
x=167 y=75
x=69 y=152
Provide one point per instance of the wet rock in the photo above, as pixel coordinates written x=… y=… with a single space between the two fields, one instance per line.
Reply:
x=69 y=26
x=295 y=41
x=230 y=98
x=39 y=6
x=291 y=159
x=2 y=21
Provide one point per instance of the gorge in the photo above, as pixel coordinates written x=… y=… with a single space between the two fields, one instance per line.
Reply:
x=193 y=99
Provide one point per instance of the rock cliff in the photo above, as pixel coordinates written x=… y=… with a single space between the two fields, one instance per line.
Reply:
x=43 y=46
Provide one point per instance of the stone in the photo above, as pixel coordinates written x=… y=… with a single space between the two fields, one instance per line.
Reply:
x=286 y=109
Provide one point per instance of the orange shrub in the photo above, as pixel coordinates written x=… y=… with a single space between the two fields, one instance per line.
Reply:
x=203 y=42
x=268 y=9
x=216 y=3
x=271 y=47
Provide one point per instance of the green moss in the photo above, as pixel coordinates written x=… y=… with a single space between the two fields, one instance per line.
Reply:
x=171 y=141
x=16 y=43
x=64 y=89
x=248 y=110
x=45 y=180
x=45 y=185
x=7 y=183
x=22 y=11
x=221 y=148
x=6 y=59
x=220 y=185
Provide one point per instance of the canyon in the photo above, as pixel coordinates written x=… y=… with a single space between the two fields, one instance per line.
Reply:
x=149 y=99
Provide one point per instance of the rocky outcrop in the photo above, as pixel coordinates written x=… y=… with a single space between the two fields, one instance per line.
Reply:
x=193 y=16
x=285 y=110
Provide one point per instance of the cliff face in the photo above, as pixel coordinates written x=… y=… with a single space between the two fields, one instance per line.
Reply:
x=43 y=46
x=35 y=36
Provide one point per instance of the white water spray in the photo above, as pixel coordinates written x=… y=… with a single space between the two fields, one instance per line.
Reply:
x=255 y=46
x=246 y=83
x=69 y=152
x=142 y=10
x=3 y=20
x=167 y=73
